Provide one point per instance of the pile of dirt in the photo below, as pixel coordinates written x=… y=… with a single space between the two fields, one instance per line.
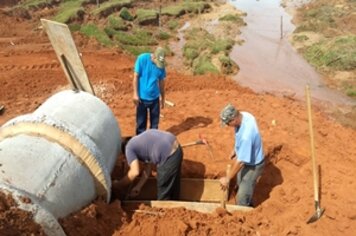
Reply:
x=14 y=221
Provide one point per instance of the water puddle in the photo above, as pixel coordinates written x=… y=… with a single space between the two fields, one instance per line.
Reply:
x=177 y=48
x=268 y=62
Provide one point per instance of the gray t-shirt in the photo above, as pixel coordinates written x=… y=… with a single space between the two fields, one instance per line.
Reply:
x=151 y=146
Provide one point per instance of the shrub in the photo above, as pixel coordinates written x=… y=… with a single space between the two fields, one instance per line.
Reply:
x=126 y=15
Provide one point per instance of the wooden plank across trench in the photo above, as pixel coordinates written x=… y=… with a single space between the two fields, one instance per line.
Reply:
x=202 y=195
x=203 y=207
x=191 y=189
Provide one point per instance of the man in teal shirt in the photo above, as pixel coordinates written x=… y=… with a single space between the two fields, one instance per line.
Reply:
x=148 y=86
x=248 y=151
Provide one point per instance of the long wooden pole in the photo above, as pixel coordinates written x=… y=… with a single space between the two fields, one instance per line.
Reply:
x=312 y=145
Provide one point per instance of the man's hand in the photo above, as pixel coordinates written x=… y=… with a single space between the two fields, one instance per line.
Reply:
x=232 y=155
x=135 y=191
x=224 y=183
x=135 y=100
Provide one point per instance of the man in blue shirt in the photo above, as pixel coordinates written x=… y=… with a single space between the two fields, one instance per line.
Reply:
x=158 y=148
x=248 y=151
x=148 y=86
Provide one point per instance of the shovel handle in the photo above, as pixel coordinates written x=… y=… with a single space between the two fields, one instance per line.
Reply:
x=225 y=196
x=312 y=145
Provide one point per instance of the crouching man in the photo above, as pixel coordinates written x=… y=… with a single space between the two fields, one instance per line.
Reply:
x=153 y=147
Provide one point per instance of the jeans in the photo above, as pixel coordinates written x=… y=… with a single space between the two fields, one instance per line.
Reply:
x=141 y=115
x=246 y=180
x=168 y=177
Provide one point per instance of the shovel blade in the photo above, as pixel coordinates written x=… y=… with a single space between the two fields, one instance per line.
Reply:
x=318 y=213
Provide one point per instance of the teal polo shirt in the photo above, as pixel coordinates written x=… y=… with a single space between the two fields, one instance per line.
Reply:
x=148 y=77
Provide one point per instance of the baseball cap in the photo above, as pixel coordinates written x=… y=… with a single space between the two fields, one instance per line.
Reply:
x=227 y=114
x=160 y=57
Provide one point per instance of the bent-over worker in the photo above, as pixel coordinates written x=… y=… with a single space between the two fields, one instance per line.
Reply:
x=248 y=150
x=154 y=147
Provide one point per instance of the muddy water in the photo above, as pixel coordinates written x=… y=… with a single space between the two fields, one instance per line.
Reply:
x=268 y=62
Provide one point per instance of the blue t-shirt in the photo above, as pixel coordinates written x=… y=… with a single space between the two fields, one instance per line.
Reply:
x=148 y=76
x=248 y=143
x=151 y=146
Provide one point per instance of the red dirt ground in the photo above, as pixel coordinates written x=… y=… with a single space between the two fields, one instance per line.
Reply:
x=30 y=73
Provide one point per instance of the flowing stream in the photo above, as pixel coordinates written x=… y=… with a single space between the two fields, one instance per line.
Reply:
x=268 y=62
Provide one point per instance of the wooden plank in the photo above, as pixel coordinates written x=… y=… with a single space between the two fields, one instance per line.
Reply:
x=202 y=190
x=202 y=207
x=64 y=46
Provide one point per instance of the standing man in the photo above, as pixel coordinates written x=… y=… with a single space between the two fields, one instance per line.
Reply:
x=148 y=86
x=153 y=147
x=248 y=151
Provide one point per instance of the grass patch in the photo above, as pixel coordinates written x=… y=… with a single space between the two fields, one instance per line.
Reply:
x=116 y=22
x=28 y=4
x=338 y=53
x=110 y=6
x=204 y=65
x=91 y=30
x=236 y=18
x=320 y=18
x=300 y=38
x=185 y=7
x=68 y=10
x=136 y=50
x=137 y=38
x=221 y=45
x=173 y=24
x=201 y=47
x=146 y=15
x=163 y=35
x=351 y=92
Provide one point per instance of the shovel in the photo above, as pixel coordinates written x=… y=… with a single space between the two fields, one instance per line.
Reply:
x=201 y=140
x=318 y=210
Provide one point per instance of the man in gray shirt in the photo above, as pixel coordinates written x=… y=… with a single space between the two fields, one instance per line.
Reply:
x=153 y=147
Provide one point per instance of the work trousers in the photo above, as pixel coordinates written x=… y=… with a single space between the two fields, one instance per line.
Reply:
x=168 y=177
x=246 y=180
x=144 y=108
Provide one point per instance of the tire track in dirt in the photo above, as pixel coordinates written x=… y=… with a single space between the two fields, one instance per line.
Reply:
x=46 y=66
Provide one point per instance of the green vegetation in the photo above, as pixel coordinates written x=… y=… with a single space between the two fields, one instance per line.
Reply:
x=138 y=37
x=74 y=27
x=320 y=19
x=146 y=15
x=69 y=10
x=334 y=50
x=338 y=53
x=33 y=3
x=110 y=6
x=163 y=35
x=221 y=45
x=126 y=15
x=116 y=23
x=173 y=24
x=136 y=50
x=203 y=65
x=91 y=30
x=300 y=38
x=233 y=18
x=113 y=22
x=351 y=92
x=202 y=47
x=185 y=7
